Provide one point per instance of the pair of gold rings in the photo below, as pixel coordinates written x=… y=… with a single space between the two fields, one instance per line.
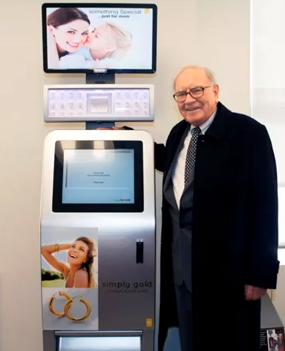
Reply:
x=67 y=307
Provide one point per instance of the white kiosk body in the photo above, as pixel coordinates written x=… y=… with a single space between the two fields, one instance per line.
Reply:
x=98 y=241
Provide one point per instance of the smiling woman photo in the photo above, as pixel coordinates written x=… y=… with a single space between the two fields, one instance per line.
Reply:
x=78 y=271
x=67 y=29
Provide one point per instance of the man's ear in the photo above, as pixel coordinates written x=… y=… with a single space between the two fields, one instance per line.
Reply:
x=217 y=92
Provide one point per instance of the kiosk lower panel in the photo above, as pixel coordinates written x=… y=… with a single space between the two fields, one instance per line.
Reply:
x=98 y=341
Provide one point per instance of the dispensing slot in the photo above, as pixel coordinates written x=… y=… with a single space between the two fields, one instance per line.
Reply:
x=139 y=251
x=98 y=343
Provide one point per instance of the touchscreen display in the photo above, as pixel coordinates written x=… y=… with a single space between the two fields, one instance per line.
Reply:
x=98 y=176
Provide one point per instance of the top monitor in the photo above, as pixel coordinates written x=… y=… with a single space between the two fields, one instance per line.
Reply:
x=99 y=38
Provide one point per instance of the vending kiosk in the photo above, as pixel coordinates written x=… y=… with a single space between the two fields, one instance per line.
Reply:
x=98 y=241
x=97 y=225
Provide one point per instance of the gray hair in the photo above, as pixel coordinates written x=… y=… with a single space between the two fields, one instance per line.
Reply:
x=208 y=72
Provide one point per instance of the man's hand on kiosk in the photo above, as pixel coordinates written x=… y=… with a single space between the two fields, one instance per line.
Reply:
x=110 y=128
x=253 y=293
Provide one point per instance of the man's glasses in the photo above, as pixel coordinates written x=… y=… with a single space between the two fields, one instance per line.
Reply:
x=196 y=92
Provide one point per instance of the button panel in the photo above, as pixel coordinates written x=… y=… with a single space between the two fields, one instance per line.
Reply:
x=98 y=103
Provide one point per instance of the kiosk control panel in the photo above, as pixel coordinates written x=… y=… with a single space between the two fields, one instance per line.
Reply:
x=94 y=102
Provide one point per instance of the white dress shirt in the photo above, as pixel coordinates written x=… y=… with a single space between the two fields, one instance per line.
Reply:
x=179 y=168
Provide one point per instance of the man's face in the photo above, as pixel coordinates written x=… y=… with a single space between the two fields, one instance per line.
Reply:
x=196 y=110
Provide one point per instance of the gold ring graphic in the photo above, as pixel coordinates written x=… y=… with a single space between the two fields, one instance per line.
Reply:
x=67 y=307
x=50 y=306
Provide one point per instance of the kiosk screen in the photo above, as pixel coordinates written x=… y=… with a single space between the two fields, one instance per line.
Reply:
x=98 y=176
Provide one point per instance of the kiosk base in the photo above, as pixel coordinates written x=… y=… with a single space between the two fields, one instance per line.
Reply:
x=94 y=217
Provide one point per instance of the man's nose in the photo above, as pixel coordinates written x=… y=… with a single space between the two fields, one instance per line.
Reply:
x=189 y=98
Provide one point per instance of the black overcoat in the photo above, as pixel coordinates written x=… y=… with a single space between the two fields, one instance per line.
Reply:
x=235 y=231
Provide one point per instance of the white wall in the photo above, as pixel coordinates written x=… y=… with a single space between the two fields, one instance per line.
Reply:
x=208 y=32
x=268 y=103
x=268 y=83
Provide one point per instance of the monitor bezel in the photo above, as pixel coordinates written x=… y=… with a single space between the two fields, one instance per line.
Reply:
x=151 y=70
x=59 y=207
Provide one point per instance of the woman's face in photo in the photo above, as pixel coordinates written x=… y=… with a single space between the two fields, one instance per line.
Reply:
x=69 y=36
x=101 y=38
x=77 y=254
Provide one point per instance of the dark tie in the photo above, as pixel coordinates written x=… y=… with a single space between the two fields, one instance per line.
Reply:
x=191 y=153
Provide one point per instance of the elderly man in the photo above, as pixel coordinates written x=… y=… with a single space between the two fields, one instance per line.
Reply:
x=219 y=220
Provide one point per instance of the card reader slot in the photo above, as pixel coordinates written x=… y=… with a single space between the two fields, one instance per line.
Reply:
x=139 y=251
